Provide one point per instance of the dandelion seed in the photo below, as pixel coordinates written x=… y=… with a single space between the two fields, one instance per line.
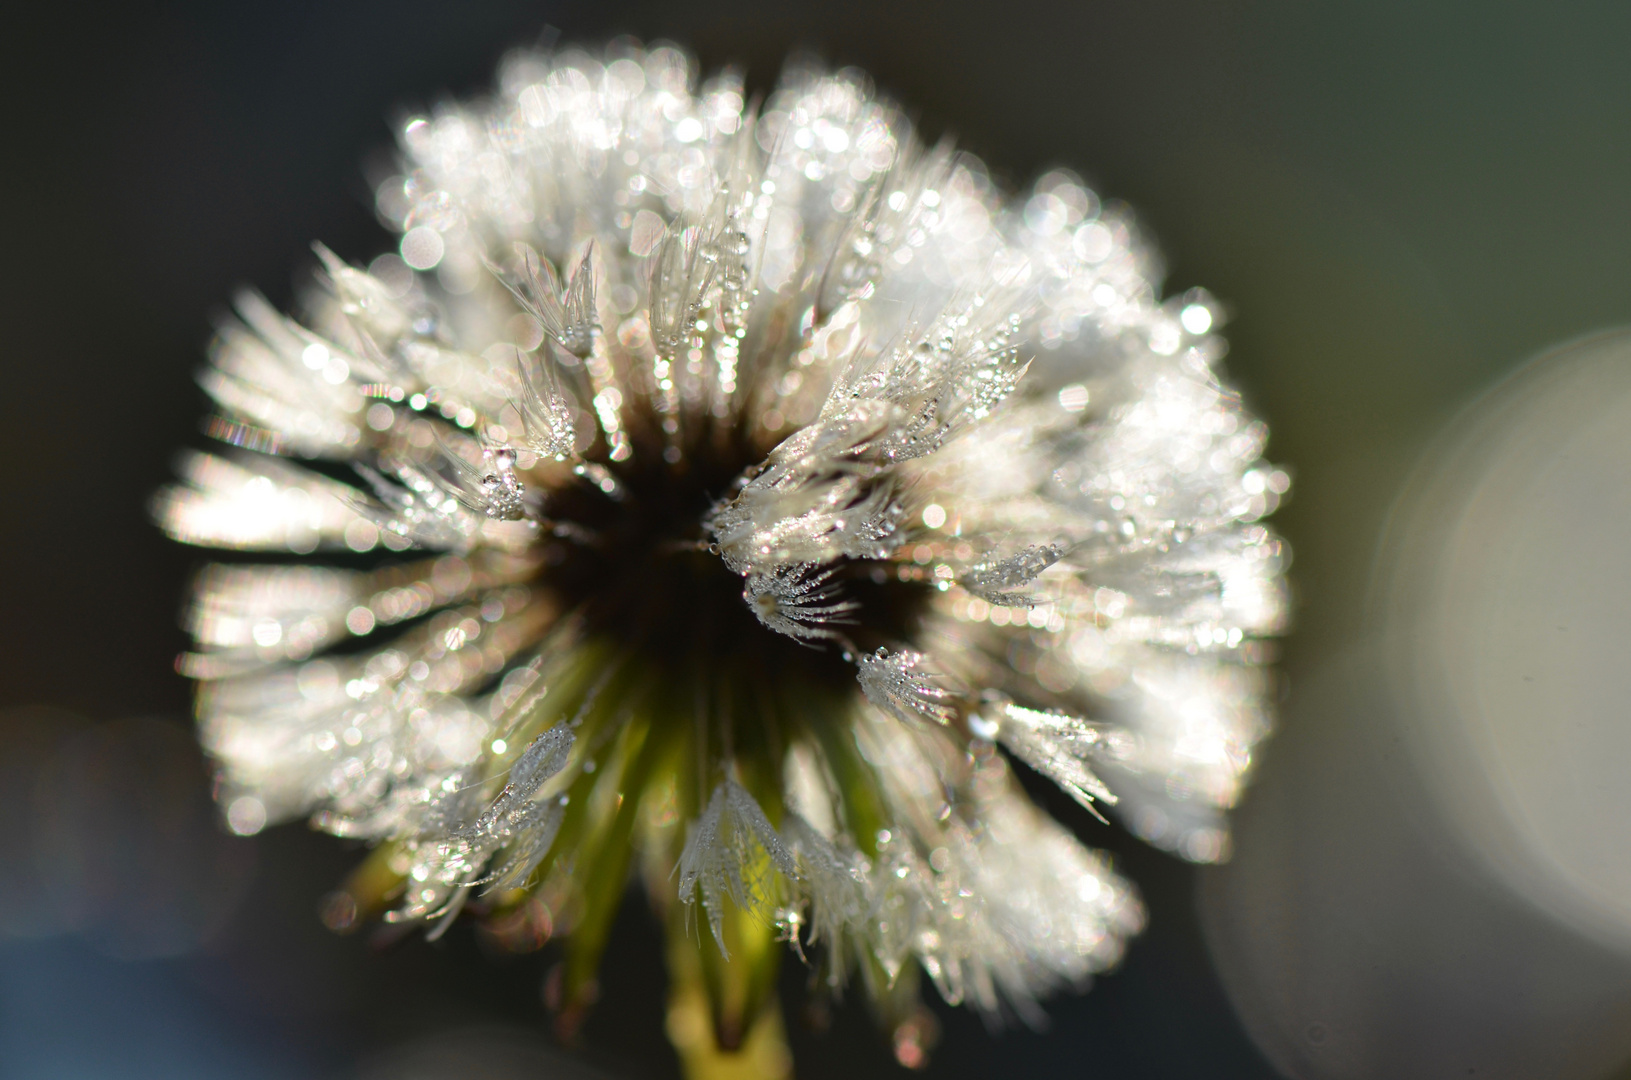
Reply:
x=897 y=683
x=1057 y=746
x=996 y=582
x=798 y=601
x=732 y=851
x=543 y=758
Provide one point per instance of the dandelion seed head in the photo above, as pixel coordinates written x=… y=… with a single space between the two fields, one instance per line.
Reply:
x=735 y=490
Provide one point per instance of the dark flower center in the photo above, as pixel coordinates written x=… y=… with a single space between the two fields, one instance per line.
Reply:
x=638 y=571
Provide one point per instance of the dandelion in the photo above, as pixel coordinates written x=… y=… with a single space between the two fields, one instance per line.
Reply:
x=725 y=494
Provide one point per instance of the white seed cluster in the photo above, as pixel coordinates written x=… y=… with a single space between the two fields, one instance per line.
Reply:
x=607 y=266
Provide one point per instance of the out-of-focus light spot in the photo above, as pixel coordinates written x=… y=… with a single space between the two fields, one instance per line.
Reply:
x=934 y=515
x=267 y=632
x=526 y=331
x=422 y=247
x=359 y=620
x=246 y=815
x=645 y=232
x=499 y=746
x=1506 y=575
x=688 y=130
x=314 y=356
x=391 y=199
x=1073 y=398
x=913 y=1039
x=1045 y=214
x=361 y=535
x=390 y=271
x=1197 y=318
x=1093 y=242
x=1203 y=846
x=338 y=912
x=380 y=416
x=1164 y=338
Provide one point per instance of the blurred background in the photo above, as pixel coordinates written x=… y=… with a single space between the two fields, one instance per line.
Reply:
x=1402 y=202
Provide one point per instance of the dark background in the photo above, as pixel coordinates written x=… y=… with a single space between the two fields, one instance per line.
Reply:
x=1399 y=201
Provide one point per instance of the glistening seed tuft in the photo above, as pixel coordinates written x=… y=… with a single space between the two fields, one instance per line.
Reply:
x=719 y=493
